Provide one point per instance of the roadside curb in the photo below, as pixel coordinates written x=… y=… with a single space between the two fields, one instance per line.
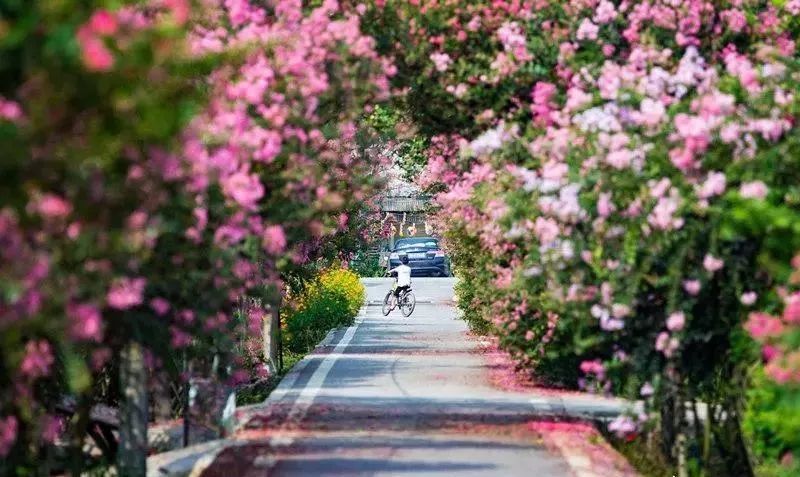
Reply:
x=191 y=461
x=583 y=408
x=188 y=461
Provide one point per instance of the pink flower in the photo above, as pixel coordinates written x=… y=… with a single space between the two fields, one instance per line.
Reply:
x=741 y=67
x=607 y=323
x=86 y=322
x=736 y=20
x=38 y=359
x=186 y=317
x=660 y=188
x=761 y=325
x=791 y=313
x=593 y=367
x=665 y=344
x=587 y=30
x=676 y=321
x=748 y=298
x=605 y=13
x=543 y=92
x=753 y=190
x=651 y=113
x=255 y=319
x=713 y=186
x=663 y=215
x=546 y=230
x=137 y=220
x=242 y=376
x=52 y=428
x=459 y=90
x=623 y=426
x=604 y=205
x=180 y=339
x=180 y=10
x=126 y=293
x=274 y=239
x=160 y=306
x=8 y=434
x=103 y=23
x=692 y=287
x=647 y=390
x=512 y=36
x=51 y=206
x=683 y=159
x=95 y=55
x=619 y=310
x=73 y=230
x=245 y=189
x=10 y=110
x=712 y=264
x=503 y=279
x=769 y=353
x=441 y=61
x=777 y=373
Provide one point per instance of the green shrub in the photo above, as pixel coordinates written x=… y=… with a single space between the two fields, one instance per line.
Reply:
x=329 y=301
x=343 y=282
x=772 y=426
x=368 y=265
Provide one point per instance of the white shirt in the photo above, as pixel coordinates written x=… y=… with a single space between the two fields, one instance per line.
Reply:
x=403 y=275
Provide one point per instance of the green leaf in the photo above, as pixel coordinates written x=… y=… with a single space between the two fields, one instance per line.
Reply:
x=78 y=377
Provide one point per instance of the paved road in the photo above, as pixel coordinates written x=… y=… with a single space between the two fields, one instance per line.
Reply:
x=393 y=396
x=427 y=290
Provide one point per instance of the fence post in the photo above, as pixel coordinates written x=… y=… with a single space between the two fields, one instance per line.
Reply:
x=132 y=456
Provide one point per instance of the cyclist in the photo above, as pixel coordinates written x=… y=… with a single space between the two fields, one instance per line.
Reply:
x=403 y=272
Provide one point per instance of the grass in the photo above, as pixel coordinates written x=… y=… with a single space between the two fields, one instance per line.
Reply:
x=643 y=457
x=259 y=391
x=644 y=463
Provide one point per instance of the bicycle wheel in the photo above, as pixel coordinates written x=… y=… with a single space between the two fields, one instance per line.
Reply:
x=387 y=303
x=407 y=304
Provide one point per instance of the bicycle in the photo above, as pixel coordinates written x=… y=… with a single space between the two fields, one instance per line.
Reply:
x=406 y=301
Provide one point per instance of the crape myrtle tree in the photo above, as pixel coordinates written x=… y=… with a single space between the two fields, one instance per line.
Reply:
x=619 y=198
x=162 y=159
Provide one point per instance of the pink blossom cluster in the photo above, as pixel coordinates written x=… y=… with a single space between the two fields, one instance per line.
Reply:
x=264 y=122
x=625 y=152
x=775 y=334
x=10 y=110
x=113 y=242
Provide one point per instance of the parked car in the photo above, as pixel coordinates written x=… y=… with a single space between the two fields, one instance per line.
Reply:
x=425 y=256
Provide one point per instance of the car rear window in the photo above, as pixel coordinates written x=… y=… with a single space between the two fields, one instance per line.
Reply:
x=426 y=244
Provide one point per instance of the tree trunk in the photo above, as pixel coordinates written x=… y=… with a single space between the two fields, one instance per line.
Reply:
x=668 y=431
x=739 y=452
x=272 y=336
x=680 y=450
x=132 y=454
x=162 y=399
